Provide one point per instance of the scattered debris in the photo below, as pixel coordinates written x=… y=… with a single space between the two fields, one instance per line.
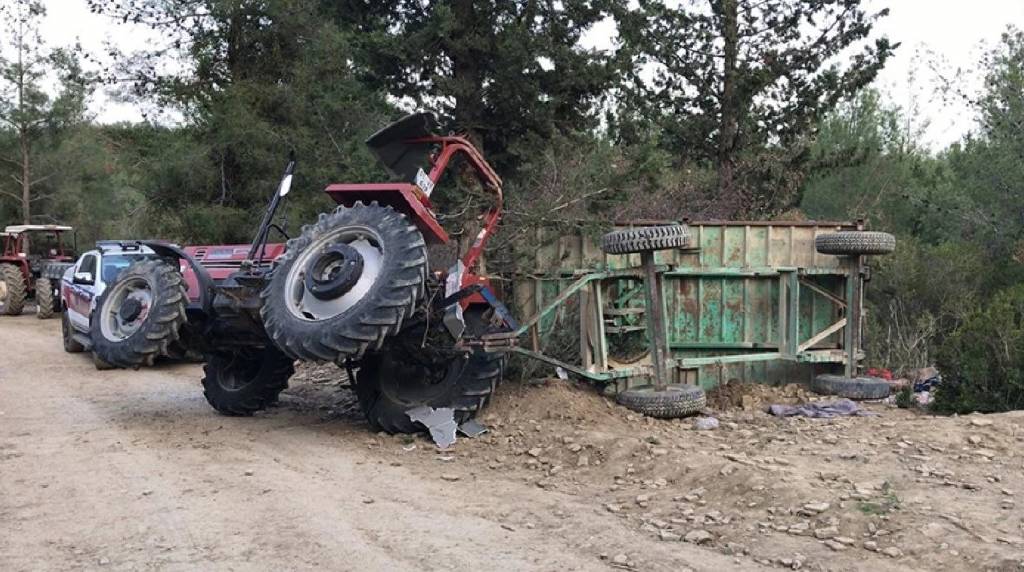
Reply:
x=440 y=423
x=705 y=424
x=821 y=409
x=472 y=429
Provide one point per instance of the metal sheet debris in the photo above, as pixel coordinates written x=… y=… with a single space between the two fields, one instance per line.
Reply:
x=472 y=429
x=440 y=422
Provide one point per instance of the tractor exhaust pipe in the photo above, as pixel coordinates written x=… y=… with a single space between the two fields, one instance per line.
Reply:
x=258 y=244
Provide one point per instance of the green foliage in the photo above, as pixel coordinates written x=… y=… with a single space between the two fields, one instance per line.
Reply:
x=982 y=362
x=501 y=71
x=33 y=119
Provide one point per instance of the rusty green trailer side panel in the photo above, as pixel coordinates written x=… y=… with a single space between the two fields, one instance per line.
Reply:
x=723 y=295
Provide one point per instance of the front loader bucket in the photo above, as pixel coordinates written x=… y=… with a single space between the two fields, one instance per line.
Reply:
x=390 y=145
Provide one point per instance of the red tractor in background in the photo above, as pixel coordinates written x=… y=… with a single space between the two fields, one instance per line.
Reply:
x=32 y=262
x=354 y=288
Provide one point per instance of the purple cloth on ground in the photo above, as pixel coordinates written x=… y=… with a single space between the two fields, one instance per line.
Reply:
x=838 y=408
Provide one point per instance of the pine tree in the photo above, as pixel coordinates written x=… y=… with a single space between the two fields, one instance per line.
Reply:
x=739 y=84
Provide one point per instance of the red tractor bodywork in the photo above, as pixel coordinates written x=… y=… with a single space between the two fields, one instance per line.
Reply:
x=19 y=250
x=414 y=201
x=220 y=261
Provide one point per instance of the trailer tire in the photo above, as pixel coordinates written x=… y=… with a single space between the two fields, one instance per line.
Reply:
x=139 y=315
x=67 y=333
x=343 y=318
x=12 y=290
x=674 y=402
x=646 y=239
x=855 y=243
x=45 y=300
x=851 y=388
x=241 y=383
x=390 y=382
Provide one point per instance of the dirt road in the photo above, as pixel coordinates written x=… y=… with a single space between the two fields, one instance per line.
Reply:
x=132 y=470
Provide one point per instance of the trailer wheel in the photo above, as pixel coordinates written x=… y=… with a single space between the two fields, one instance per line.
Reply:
x=851 y=388
x=12 y=290
x=645 y=239
x=244 y=382
x=67 y=332
x=45 y=300
x=139 y=315
x=675 y=401
x=404 y=375
x=855 y=243
x=348 y=282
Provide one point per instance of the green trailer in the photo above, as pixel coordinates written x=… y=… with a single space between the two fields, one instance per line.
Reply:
x=748 y=301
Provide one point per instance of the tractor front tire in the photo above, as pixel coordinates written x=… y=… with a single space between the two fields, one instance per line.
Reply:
x=403 y=375
x=45 y=300
x=345 y=284
x=12 y=290
x=244 y=382
x=139 y=315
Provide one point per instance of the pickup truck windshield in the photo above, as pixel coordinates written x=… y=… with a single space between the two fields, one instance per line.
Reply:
x=114 y=264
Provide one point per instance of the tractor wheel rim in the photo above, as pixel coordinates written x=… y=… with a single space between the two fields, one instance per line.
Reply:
x=113 y=323
x=303 y=304
x=3 y=293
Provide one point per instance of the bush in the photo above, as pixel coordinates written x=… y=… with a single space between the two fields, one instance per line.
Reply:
x=982 y=362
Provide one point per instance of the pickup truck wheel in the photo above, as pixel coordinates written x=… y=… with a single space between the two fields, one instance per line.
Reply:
x=345 y=284
x=246 y=381
x=139 y=315
x=404 y=375
x=67 y=332
x=45 y=308
x=12 y=290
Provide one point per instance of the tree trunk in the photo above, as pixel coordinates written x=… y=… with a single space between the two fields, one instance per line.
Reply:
x=729 y=102
x=466 y=73
x=26 y=181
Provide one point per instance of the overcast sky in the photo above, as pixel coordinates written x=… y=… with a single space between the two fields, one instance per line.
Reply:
x=951 y=31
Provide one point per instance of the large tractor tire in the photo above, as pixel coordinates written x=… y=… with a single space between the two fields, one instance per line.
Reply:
x=139 y=315
x=46 y=302
x=855 y=243
x=644 y=239
x=244 y=382
x=12 y=290
x=67 y=333
x=347 y=283
x=404 y=375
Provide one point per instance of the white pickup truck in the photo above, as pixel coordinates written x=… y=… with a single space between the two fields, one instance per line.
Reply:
x=85 y=281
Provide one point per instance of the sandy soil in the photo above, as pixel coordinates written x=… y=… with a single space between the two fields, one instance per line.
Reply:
x=132 y=470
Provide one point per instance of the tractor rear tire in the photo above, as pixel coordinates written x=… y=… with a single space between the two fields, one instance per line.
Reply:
x=67 y=332
x=403 y=376
x=855 y=243
x=242 y=383
x=45 y=300
x=12 y=290
x=646 y=239
x=674 y=402
x=139 y=315
x=344 y=285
